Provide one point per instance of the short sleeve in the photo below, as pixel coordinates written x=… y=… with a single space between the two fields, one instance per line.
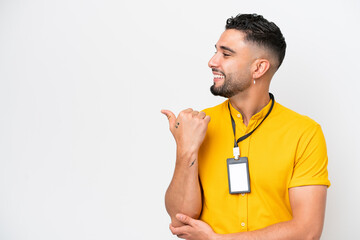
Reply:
x=310 y=166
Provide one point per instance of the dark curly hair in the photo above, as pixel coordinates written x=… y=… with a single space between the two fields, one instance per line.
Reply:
x=260 y=31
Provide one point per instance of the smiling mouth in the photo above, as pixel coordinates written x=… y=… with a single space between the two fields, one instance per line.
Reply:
x=217 y=76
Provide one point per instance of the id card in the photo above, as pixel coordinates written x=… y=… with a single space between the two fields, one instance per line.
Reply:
x=238 y=175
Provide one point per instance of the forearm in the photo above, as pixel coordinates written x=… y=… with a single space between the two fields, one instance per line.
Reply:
x=289 y=230
x=183 y=194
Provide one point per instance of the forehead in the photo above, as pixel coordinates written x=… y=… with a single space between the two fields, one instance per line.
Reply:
x=233 y=39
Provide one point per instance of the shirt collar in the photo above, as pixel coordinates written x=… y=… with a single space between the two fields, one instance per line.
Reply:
x=258 y=116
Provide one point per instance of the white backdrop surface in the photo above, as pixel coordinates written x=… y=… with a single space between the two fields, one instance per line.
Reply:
x=84 y=150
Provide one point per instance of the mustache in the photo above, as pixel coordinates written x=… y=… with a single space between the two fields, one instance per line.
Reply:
x=218 y=71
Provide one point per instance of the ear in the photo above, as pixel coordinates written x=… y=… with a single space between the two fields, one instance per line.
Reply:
x=260 y=67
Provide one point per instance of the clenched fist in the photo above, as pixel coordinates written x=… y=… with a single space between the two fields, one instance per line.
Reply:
x=188 y=129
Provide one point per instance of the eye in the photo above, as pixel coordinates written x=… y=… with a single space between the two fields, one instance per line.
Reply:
x=226 y=55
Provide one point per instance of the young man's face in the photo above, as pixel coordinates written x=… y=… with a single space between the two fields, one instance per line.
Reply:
x=231 y=64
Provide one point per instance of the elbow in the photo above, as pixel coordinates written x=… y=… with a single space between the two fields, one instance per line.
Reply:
x=312 y=237
x=307 y=231
x=313 y=234
x=176 y=223
x=193 y=213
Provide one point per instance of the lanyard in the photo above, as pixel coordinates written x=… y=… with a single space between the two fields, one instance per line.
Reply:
x=236 y=148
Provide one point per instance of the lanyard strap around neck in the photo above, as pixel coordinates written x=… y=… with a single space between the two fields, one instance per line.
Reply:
x=248 y=135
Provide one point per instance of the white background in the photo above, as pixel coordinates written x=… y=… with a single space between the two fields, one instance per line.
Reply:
x=84 y=150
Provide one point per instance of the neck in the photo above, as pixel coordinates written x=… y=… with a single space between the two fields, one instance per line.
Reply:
x=248 y=104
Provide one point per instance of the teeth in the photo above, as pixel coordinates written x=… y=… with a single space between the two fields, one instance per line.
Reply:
x=218 y=76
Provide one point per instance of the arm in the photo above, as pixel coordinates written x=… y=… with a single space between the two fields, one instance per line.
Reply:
x=308 y=207
x=183 y=194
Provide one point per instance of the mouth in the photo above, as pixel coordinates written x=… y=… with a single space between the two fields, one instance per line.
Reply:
x=218 y=76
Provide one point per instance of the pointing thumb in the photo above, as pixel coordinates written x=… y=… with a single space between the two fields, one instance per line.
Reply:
x=171 y=116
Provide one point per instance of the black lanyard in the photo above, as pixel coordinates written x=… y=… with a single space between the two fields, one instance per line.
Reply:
x=248 y=135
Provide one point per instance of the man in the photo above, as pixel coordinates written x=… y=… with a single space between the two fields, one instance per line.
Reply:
x=284 y=181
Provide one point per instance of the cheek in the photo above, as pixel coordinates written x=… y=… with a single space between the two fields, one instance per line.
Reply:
x=233 y=68
x=241 y=73
x=230 y=67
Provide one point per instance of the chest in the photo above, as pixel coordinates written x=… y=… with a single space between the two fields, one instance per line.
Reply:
x=271 y=156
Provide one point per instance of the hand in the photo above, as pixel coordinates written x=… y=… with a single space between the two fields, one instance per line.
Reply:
x=193 y=229
x=188 y=129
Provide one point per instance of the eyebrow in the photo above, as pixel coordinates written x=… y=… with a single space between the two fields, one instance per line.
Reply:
x=226 y=48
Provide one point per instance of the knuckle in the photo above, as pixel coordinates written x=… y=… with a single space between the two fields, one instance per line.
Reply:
x=187 y=110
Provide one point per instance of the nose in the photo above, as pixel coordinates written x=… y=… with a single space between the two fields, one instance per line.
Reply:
x=214 y=61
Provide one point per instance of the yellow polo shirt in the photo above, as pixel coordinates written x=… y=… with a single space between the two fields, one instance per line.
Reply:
x=287 y=150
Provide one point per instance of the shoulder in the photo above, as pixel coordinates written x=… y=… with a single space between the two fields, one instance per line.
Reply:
x=293 y=126
x=290 y=118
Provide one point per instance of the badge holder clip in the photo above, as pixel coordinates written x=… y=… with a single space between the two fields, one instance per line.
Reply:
x=238 y=173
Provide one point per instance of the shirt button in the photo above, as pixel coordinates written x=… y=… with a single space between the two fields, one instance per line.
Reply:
x=238 y=115
x=243 y=194
x=243 y=224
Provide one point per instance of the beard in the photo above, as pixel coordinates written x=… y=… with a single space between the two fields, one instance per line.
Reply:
x=230 y=87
